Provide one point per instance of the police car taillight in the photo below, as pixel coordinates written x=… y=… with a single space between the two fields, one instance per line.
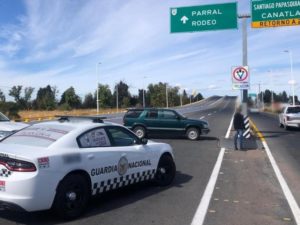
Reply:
x=17 y=165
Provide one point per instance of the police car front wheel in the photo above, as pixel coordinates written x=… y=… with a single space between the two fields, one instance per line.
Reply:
x=166 y=171
x=72 y=197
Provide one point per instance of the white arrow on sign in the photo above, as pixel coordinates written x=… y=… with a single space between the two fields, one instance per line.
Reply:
x=184 y=19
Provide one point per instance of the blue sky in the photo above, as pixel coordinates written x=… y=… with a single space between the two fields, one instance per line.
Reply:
x=60 y=42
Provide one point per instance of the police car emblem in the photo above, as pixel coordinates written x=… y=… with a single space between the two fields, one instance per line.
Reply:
x=122 y=166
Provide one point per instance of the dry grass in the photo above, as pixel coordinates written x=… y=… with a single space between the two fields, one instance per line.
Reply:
x=40 y=115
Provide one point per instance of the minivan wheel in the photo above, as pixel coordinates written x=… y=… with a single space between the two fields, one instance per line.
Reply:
x=192 y=133
x=140 y=131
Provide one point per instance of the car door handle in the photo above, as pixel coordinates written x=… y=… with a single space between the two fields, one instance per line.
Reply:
x=90 y=156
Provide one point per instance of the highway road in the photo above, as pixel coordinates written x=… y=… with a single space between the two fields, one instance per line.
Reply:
x=213 y=185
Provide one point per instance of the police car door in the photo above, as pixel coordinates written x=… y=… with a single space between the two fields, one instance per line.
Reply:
x=136 y=163
x=101 y=159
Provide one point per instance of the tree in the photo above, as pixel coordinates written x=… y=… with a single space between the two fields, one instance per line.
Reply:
x=89 y=101
x=185 y=98
x=284 y=97
x=105 y=96
x=157 y=93
x=134 y=101
x=23 y=102
x=70 y=98
x=123 y=94
x=15 y=92
x=140 y=96
x=173 y=96
x=45 y=98
x=198 y=97
x=27 y=97
x=267 y=96
x=10 y=109
x=2 y=96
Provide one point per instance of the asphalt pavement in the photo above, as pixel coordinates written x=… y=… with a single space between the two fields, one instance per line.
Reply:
x=246 y=190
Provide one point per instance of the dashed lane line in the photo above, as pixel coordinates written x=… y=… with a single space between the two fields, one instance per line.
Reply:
x=204 y=203
x=202 y=117
x=285 y=188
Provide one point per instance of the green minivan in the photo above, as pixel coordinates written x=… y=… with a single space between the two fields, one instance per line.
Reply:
x=157 y=120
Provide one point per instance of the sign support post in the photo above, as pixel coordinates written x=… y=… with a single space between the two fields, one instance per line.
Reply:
x=244 y=92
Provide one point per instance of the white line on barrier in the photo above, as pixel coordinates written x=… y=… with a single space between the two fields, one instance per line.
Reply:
x=204 y=203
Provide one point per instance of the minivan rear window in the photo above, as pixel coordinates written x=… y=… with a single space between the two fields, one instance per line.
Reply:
x=133 y=113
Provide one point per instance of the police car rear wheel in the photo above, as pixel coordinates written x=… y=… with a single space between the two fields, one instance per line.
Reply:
x=140 y=131
x=72 y=197
x=166 y=171
x=192 y=133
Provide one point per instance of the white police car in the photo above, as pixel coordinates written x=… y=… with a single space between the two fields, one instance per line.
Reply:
x=8 y=127
x=61 y=164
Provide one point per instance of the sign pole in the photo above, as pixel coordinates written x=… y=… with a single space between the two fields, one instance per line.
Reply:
x=245 y=63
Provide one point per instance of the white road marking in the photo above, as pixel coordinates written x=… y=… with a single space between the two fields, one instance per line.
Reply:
x=230 y=126
x=202 y=117
x=285 y=188
x=204 y=203
x=209 y=114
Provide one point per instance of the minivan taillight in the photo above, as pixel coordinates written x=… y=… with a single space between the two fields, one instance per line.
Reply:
x=17 y=165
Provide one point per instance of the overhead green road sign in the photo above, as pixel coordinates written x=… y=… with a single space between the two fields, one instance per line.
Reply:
x=275 y=13
x=204 y=18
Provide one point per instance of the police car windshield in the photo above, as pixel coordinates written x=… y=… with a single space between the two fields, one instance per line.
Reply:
x=38 y=135
x=3 y=118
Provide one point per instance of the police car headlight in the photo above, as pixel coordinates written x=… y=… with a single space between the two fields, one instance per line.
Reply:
x=4 y=134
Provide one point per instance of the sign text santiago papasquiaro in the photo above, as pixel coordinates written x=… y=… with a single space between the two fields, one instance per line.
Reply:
x=204 y=18
x=275 y=13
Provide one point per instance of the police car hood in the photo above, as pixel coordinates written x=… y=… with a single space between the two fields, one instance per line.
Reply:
x=12 y=126
x=22 y=151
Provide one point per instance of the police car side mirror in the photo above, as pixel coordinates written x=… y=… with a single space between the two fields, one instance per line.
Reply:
x=144 y=141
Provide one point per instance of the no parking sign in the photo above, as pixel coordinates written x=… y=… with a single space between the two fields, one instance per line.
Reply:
x=240 y=78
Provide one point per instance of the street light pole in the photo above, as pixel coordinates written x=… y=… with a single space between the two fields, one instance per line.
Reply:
x=245 y=59
x=167 y=100
x=97 y=92
x=181 y=99
x=292 y=74
x=144 y=104
x=117 y=97
x=272 y=93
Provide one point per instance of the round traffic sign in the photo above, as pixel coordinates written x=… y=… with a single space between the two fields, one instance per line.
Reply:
x=240 y=74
